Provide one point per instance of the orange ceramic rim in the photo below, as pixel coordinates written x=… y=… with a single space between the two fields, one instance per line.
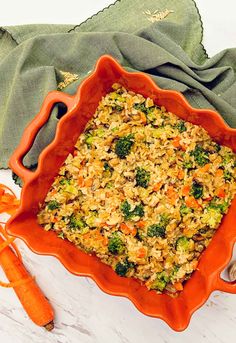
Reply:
x=176 y=312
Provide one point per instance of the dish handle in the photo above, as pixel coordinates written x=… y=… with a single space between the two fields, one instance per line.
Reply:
x=225 y=286
x=30 y=132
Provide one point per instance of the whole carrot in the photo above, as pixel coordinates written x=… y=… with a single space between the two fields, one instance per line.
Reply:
x=27 y=290
x=31 y=297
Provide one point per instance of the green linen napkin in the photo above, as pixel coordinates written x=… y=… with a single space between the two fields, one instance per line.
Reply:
x=160 y=37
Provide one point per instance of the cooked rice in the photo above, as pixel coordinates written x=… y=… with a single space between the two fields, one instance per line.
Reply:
x=150 y=209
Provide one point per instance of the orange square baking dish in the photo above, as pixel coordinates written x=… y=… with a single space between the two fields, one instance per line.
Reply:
x=176 y=312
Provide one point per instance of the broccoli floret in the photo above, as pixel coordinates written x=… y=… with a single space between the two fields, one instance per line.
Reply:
x=71 y=189
x=142 y=177
x=140 y=107
x=158 y=285
x=76 y=223
x=174 y=272
x=156 y=230
x=151 y=115
x=116 y=96
x=161 y=280
x=217 y=147
x=138 y=211
x=53 y=205
x=163 y=276
x=99 y=132
x=146 y=110
x=125 y=209
x=65 y=181
x=123 y=267
x=123 y=146
x=159 y=230
x=214 y=212
x=227 y=175
x=158 y=132
x=89 y=139
x=117 y=108
x=221 y=207
x=164 y=219
x=196 y=190
x=90 y=220
x=212 y=217
x=181 y=126
x=182 y=244
x=115 y=245
x=188 y=164
x=200 y=155
x=228 y=158
x=128 y=214
x=114 y=129
x=184 y=210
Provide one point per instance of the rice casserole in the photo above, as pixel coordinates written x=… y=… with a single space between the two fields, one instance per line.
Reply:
x=143 y=190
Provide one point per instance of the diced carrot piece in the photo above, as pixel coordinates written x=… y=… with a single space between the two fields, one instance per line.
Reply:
x=96 y=234
x=143 y=118
x=88 y=182
x=183 y=147
x=205 y=168
x=141 y=253
x=125 y=228
x=187 y=232
x=219 y=172
x=185 y=190
x=191 y=202
x=172 y=201
x=180 y=174
x=75 y=153
x=87 y=235
x=170 y=191
x=176 y=142
x=141 y=224
x=221 y=192
x=80 y=181
x=54 y=220
x=172 y=195
x=133 y=231
x=105 y=240
x=178 y=286
x=202 y=170
x=157 y=186
x=128 y=230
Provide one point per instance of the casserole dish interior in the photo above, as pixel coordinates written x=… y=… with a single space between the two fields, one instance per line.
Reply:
x=80 y=108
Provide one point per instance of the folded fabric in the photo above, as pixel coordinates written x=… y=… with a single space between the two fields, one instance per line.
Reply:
x=162 y=38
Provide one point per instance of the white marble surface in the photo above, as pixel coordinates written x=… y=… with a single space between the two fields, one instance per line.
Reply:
x=83 y=312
